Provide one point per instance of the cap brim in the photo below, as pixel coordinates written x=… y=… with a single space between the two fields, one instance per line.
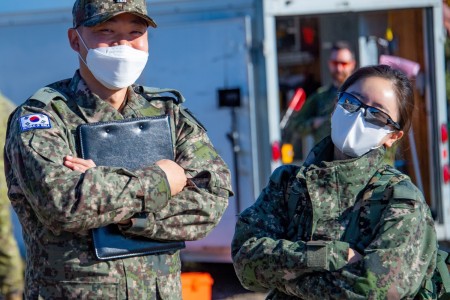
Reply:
x=98 y=19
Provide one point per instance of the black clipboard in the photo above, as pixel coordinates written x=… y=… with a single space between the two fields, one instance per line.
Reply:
x=131 y=144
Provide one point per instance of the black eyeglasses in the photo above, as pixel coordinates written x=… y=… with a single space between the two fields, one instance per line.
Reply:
x=373 y=115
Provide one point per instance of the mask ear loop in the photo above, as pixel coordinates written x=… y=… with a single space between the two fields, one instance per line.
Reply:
x=84 y=44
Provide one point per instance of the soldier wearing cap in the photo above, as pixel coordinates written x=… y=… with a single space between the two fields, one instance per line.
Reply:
x=59 y=197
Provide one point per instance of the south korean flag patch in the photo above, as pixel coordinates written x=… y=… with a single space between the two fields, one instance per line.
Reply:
x=34 y=121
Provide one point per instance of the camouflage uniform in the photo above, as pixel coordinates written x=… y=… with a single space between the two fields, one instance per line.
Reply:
x=11 y=269
x=294 y=240
x=58 y=206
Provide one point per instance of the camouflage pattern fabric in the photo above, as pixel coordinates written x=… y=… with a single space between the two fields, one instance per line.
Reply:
x=92 y=12
x=294 y=240
x=11 y=265
x=58 y=206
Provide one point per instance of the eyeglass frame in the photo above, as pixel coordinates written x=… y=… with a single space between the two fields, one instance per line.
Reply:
x=367 y=108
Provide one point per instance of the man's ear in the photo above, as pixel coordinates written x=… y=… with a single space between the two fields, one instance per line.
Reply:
x=393 y=137
x=74 y=39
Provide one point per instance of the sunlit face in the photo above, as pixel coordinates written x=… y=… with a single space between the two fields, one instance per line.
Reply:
x=124 y=29
x=341 y=65
x=379 y=93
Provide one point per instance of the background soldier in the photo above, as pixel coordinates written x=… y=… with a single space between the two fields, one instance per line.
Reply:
x=11 y=266
x=314 y=117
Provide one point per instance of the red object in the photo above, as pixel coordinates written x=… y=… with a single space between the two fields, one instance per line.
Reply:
x=446 y=173
x=196 y=286
x=276 y=151
x=298 y=100
x=309 y=35
x=444 y=133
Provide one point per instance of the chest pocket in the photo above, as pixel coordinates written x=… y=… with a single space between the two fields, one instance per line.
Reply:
x=363 y=222
x=366 y=213
x=328 y=206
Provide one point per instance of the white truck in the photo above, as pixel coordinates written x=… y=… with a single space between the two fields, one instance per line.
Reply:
x=237 y=63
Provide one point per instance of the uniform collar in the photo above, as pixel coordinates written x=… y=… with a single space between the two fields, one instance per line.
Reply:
x=352 y=173
x=94 y=109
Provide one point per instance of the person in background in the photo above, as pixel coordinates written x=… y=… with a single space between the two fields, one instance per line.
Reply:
x=11 y=264
x=59 y=197
x=314 y=116
x=343 y=225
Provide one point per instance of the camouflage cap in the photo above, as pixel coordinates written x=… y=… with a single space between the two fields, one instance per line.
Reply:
x=92 y=12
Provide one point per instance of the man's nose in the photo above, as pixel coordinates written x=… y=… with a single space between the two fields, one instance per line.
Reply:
x=124 y=42
x=121 y=42
x=340 y=67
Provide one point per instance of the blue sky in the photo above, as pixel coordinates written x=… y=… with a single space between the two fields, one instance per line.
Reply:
x=8 y=6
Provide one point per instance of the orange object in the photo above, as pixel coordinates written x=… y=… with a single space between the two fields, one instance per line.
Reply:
x=196 y=286
x=287 y=153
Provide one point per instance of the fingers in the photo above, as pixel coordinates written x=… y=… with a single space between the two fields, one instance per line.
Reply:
x=353 y=256
x=78 y=164
x=175 y=175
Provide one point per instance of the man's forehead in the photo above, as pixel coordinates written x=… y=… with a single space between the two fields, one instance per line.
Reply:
x=342 y=54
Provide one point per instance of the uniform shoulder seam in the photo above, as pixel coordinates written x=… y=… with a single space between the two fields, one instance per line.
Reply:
x=46 y=94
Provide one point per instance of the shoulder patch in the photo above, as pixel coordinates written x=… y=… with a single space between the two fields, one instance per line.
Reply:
x=190 y=116
x=34 y=121
x=47 y=94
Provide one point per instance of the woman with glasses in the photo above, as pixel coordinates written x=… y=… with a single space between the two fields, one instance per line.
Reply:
x=343 y=225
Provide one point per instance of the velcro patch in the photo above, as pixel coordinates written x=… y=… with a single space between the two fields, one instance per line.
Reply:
x=34 y=121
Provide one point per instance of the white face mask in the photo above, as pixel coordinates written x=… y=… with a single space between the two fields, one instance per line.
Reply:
x=115 y=67
x=353 y=135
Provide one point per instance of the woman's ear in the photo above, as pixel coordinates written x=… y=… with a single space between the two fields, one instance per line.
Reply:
x=393 y=137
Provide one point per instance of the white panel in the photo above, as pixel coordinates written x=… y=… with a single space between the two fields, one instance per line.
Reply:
x=33 y=57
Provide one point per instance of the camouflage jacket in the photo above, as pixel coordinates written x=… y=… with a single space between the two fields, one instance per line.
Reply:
x=11 y=266
x=58 y=207
x=294 y=240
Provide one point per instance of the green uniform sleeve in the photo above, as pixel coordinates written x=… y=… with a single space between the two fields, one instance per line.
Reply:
x=264 y=256
x=66 y=200
x=302 y=121
x=399 y=257
x=11 y=264
x=196 y=210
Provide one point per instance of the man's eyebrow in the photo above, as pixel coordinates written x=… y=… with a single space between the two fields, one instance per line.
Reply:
x=140 y=21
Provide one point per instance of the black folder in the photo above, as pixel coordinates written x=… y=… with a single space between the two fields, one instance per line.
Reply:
x=130 y=144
